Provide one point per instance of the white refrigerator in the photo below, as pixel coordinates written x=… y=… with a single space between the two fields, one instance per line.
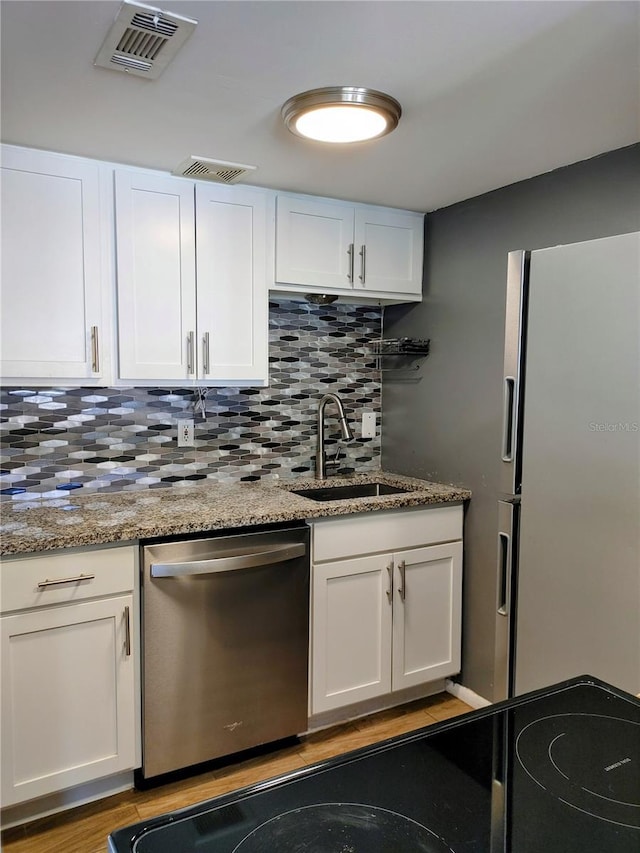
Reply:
x=568 y=544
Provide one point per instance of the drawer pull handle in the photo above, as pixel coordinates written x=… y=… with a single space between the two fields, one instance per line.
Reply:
x=127 y=631
x=45 y=583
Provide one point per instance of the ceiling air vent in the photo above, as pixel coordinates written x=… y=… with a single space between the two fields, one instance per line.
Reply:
x=212 y=170
x=143 y=40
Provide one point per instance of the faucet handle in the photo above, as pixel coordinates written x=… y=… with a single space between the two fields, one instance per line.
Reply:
x=330 y=463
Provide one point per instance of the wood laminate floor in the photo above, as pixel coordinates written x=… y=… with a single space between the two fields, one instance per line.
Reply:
x=85 y=829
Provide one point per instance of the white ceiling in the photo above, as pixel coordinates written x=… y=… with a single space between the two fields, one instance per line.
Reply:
x=492 y=92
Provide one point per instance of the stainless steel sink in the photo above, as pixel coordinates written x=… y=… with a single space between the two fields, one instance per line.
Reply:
x=357 y=490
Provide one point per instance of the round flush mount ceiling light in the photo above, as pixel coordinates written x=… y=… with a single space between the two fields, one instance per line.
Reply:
x=341 y=114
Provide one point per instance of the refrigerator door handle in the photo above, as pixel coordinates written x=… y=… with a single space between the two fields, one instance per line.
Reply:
x=514 y=346
x=509 y=418
x=507 y=541
x=504 y=573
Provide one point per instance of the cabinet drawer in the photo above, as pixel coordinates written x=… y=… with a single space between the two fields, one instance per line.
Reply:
x=374 y=532
x=113 y=571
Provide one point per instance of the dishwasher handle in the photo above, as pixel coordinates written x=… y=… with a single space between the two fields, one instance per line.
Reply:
x=228 y=564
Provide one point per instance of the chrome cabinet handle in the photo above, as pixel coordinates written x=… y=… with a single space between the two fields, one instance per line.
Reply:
x=390 y=587
x=190 y=353
x=402 y=589
x=46 y=582
x=205 y=353
x=351 y=263
x=95 y=350
x=363 y=263
x=127 y=631
x=227 y=564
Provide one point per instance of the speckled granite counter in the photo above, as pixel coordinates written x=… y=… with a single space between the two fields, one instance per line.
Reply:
x=126 y=516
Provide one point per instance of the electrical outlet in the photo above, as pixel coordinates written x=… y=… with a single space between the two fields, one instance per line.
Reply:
x=368 y=424
x=186 y=437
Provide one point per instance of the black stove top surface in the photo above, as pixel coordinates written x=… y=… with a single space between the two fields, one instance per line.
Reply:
x=556 y=771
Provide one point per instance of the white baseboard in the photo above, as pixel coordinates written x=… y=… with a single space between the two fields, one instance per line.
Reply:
x=466 y=695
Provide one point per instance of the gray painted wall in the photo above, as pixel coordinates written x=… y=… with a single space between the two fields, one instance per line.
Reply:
x=447 y=425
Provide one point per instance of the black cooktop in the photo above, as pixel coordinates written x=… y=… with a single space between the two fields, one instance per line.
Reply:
x=556 y=771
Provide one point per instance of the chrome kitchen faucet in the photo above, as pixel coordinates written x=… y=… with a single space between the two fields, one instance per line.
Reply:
x=347 y=435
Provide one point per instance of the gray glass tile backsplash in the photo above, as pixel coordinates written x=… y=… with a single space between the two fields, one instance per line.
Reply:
x=58 y=440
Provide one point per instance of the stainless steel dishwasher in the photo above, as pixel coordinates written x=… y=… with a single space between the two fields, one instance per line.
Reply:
x=225 y=624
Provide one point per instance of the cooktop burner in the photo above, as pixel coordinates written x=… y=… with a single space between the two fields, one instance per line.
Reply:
x=590 y=762
x=341 y=828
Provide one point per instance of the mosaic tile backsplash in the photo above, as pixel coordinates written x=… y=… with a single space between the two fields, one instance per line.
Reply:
x=57 y=440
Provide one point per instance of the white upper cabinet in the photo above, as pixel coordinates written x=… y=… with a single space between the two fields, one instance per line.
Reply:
x=314 y=243
x=191 y=268
x=52 y=269
x=357 y=251
x=187 y=266
x=388 y=247
x=155 y=240
x=232 y=298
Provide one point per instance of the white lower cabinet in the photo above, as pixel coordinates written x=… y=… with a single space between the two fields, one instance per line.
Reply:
x=386 y=621
x=426 y=614
x=352 y=632
x=68 y=672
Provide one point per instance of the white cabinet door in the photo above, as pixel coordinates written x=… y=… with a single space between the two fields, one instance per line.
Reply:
x=192 y=291
x=314 y=243
x=68 y=712
x=232 y=297
x=360 y=251
x=389 y=620
x=155 y=233
x=50 y=307
x=388 y=246
x=426 y=614
x=351 y=632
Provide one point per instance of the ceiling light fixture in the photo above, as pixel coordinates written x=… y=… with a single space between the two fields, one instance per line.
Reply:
x=341 y=114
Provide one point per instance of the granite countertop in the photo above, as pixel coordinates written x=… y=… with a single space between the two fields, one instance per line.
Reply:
x=128 y=516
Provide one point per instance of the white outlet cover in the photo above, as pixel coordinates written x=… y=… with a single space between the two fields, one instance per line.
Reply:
x=368 y=424
x=186 y=436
